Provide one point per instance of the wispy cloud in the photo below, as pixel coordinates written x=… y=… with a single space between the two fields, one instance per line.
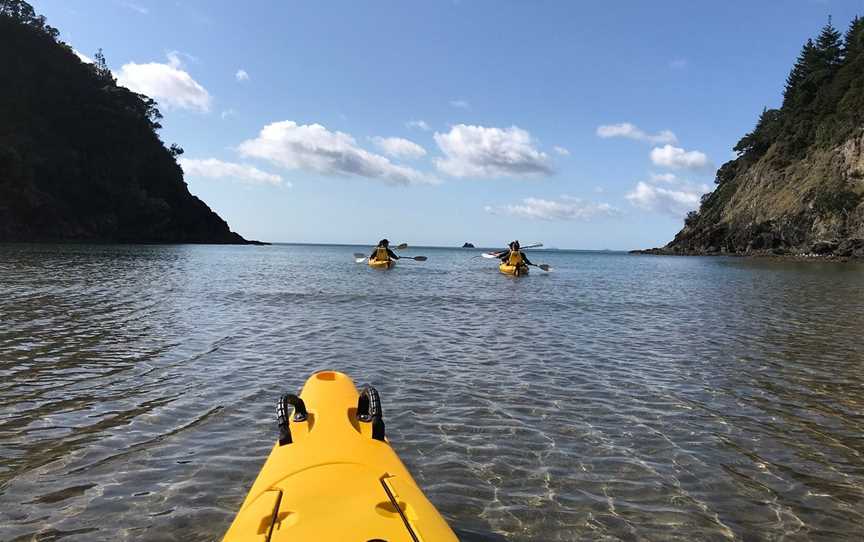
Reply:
x=564 y=208
x=211 y=168
x=479 y=151
x=678 y=158
x=460 y=104
x=398 y=147
x=241 y=75
x=228 y=113
x=675 y=198
x=561 y=150
x=314 y=148
x=421 y=124
x=82 y=57
x=631 y=131
x=135 y=7
x=663 y=177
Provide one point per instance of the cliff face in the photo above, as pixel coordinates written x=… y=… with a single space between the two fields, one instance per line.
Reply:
x=80 y=158
x=797 y=186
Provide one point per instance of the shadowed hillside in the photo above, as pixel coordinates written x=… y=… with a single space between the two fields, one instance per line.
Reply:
x=80 y=157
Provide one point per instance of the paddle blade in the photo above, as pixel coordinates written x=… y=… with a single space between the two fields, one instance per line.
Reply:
x=419 y=258
x=490 y=255
x=545 y=267
x=359 y=260
x=403 y=246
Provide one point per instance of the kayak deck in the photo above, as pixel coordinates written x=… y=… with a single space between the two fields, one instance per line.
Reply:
x=379 y=264
x=335 y=480
x=515 y=270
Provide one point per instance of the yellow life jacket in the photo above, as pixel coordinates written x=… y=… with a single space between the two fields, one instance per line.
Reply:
x=515 y=258
x=381 y=255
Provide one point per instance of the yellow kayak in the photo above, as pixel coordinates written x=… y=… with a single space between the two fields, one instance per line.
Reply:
x=515 y=270
x=381 y=264
x=333 y=477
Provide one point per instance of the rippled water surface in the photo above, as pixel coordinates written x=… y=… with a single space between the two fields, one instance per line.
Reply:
x=616 y=398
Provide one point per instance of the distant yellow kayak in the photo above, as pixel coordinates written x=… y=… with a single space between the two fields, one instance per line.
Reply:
x=515 y=270
x=381 y=264
x=333 y=477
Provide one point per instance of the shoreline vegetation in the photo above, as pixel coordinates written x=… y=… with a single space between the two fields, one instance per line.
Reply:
x=81 y=159
x=796 y=188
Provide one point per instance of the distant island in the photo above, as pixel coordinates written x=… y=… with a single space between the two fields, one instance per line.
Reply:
x=468 y=245
x=797 y=185
x=80 y=156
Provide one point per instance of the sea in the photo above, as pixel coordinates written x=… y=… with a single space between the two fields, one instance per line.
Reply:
x=615 y=397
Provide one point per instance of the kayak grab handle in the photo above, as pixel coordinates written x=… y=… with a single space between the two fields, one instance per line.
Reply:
x=369 y=410
x=300 y=415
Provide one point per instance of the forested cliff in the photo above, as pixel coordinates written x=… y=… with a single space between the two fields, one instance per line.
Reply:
x=797 y=185
x=80 y=156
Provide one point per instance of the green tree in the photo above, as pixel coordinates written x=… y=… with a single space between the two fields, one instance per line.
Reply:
x=829 y=47
x=801 y=71
x=763 y=135
x=22 y=12
x=100 y=65
x=853 y=41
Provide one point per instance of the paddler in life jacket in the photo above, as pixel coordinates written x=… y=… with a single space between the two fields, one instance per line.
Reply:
x=515 y=256
x=382 y=252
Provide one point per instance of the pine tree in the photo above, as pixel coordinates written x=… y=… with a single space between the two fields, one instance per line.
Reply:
x=829 y=46
x=801 y=71
x=101 y=67
x=853 y=42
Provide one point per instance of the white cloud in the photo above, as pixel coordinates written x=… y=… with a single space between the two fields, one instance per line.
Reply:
x=398 y=147
x=631 y=131
x=228 y=113
x=678 y=158
x=421 y=124
x=678 y=63
x=676 y=200
x=313 y=147
x=561 y=150
x=460 y=104
x=212 y=168
x=478 y=151
x=564 y=208
x=663 y=177
x=82 y=57
x=166 y=83
x=241 y=75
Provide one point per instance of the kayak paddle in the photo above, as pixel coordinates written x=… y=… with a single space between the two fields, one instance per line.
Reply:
x=496 y=254
x=543 y=266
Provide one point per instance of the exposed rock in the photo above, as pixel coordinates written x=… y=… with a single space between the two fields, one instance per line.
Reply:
x=797 y=186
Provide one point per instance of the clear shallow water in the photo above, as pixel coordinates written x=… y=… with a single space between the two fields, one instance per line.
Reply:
x=617 y=398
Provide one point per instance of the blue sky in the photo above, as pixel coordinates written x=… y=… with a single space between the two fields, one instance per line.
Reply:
x=580 y=124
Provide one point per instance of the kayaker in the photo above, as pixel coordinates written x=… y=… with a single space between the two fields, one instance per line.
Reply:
x=515 y=256
x=382 y=252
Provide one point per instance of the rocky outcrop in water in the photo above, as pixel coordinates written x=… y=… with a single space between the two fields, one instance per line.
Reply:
x=80 y=157
x=797 y=186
